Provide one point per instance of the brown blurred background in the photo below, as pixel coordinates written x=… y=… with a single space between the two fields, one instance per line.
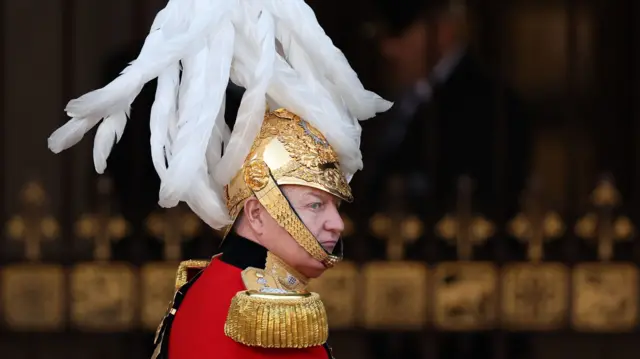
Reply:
x=495 y=218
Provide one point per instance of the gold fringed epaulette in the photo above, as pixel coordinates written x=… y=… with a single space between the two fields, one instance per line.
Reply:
x=188 y=269
x=270 y=317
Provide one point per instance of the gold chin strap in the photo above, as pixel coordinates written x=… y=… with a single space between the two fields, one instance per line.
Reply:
x=260 y=181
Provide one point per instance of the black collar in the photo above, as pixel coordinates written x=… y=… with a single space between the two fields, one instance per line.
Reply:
x=242 y=253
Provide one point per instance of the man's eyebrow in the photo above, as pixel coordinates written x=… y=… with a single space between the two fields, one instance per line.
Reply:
x=325 y=197
x=313 y=194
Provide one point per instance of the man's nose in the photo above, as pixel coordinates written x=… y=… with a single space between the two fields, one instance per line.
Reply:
x=334 y=221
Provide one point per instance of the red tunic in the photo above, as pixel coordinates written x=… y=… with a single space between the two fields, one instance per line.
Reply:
x=198 y=328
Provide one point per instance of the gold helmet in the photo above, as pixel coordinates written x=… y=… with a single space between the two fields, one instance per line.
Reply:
x=288 y=151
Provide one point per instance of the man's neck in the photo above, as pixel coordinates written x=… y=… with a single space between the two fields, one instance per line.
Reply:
x=242 y=252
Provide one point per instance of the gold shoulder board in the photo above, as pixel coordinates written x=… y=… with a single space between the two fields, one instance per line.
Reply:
x=188 y=269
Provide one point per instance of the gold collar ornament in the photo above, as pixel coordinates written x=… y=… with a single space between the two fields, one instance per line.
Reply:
x=276 y=311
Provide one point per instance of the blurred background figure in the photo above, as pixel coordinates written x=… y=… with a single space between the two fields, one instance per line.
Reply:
x=448 y=108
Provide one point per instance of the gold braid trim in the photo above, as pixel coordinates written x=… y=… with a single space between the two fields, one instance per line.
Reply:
x=287 y=320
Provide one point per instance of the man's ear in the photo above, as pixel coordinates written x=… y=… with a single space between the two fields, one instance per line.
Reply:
x=253 y=214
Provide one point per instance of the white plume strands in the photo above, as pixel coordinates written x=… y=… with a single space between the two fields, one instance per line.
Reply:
x=329 y=61
x=194 y=48
x=252 y=107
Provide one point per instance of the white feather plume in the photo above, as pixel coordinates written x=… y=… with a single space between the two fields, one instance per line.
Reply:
x=163 y=112
x=253 y=104
x=204 y=82
x=212 y=42
x=70 y=134
x=109 y=133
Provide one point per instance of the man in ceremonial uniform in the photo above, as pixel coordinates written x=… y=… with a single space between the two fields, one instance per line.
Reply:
x=273 y=184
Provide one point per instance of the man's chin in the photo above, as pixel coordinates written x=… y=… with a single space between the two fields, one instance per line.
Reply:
x=329 y=247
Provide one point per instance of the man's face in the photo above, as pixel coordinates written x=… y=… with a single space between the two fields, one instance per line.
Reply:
x=319 y=212
x=406 y=53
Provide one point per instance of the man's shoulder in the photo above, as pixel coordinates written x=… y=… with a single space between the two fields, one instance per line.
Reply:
x=198 y=328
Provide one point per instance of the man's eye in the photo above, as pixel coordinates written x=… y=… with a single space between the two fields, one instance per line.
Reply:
x=316 y=205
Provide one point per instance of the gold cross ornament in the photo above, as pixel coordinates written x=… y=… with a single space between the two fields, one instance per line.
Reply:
x=32 y=293
x=464 y=291
x=173 y=226
x=103 y=292
x=605 y=293
x=395 y=289
x=535 y=293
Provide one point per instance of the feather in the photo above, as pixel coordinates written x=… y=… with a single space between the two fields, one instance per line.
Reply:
x=157 y=53
x=70 y=134
x=204 y=83
x=163 y=112
x=219 y=136
x=301 y=23
x=289 y=90
x=211 y=42
x=109 y=133
x=252 y=107
x=207 y=203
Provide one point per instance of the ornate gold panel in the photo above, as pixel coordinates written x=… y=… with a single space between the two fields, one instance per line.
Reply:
x=338 y=289
x=103 y=297
x=395 y=295
x=605 y=297
x=535 y=296
x=33 y=297
x=465 y=296
x=158 y=289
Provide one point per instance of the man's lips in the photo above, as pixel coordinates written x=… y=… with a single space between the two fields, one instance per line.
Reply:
x=329 y=245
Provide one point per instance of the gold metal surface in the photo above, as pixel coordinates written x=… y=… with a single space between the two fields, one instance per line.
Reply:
x=465 y=229
x=536 y=230
x=339 y=289
x=32 y=293
x=395 y=291
x=184 y=267
x=160 y=280
x=275 y=312
x=102 y=227
x=103 y=293
x=398 y=230
x=295 y=153
x=465 y=296
x=605 y=297
x=33 y=225
x=535 y=296
x=395 y=295
x=103 y=297
x=289 y=321
x=602 y=225
x=33 y=297
x=157 y=289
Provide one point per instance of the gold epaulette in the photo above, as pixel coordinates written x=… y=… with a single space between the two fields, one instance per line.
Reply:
x=267 y=316
x=188 y=269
